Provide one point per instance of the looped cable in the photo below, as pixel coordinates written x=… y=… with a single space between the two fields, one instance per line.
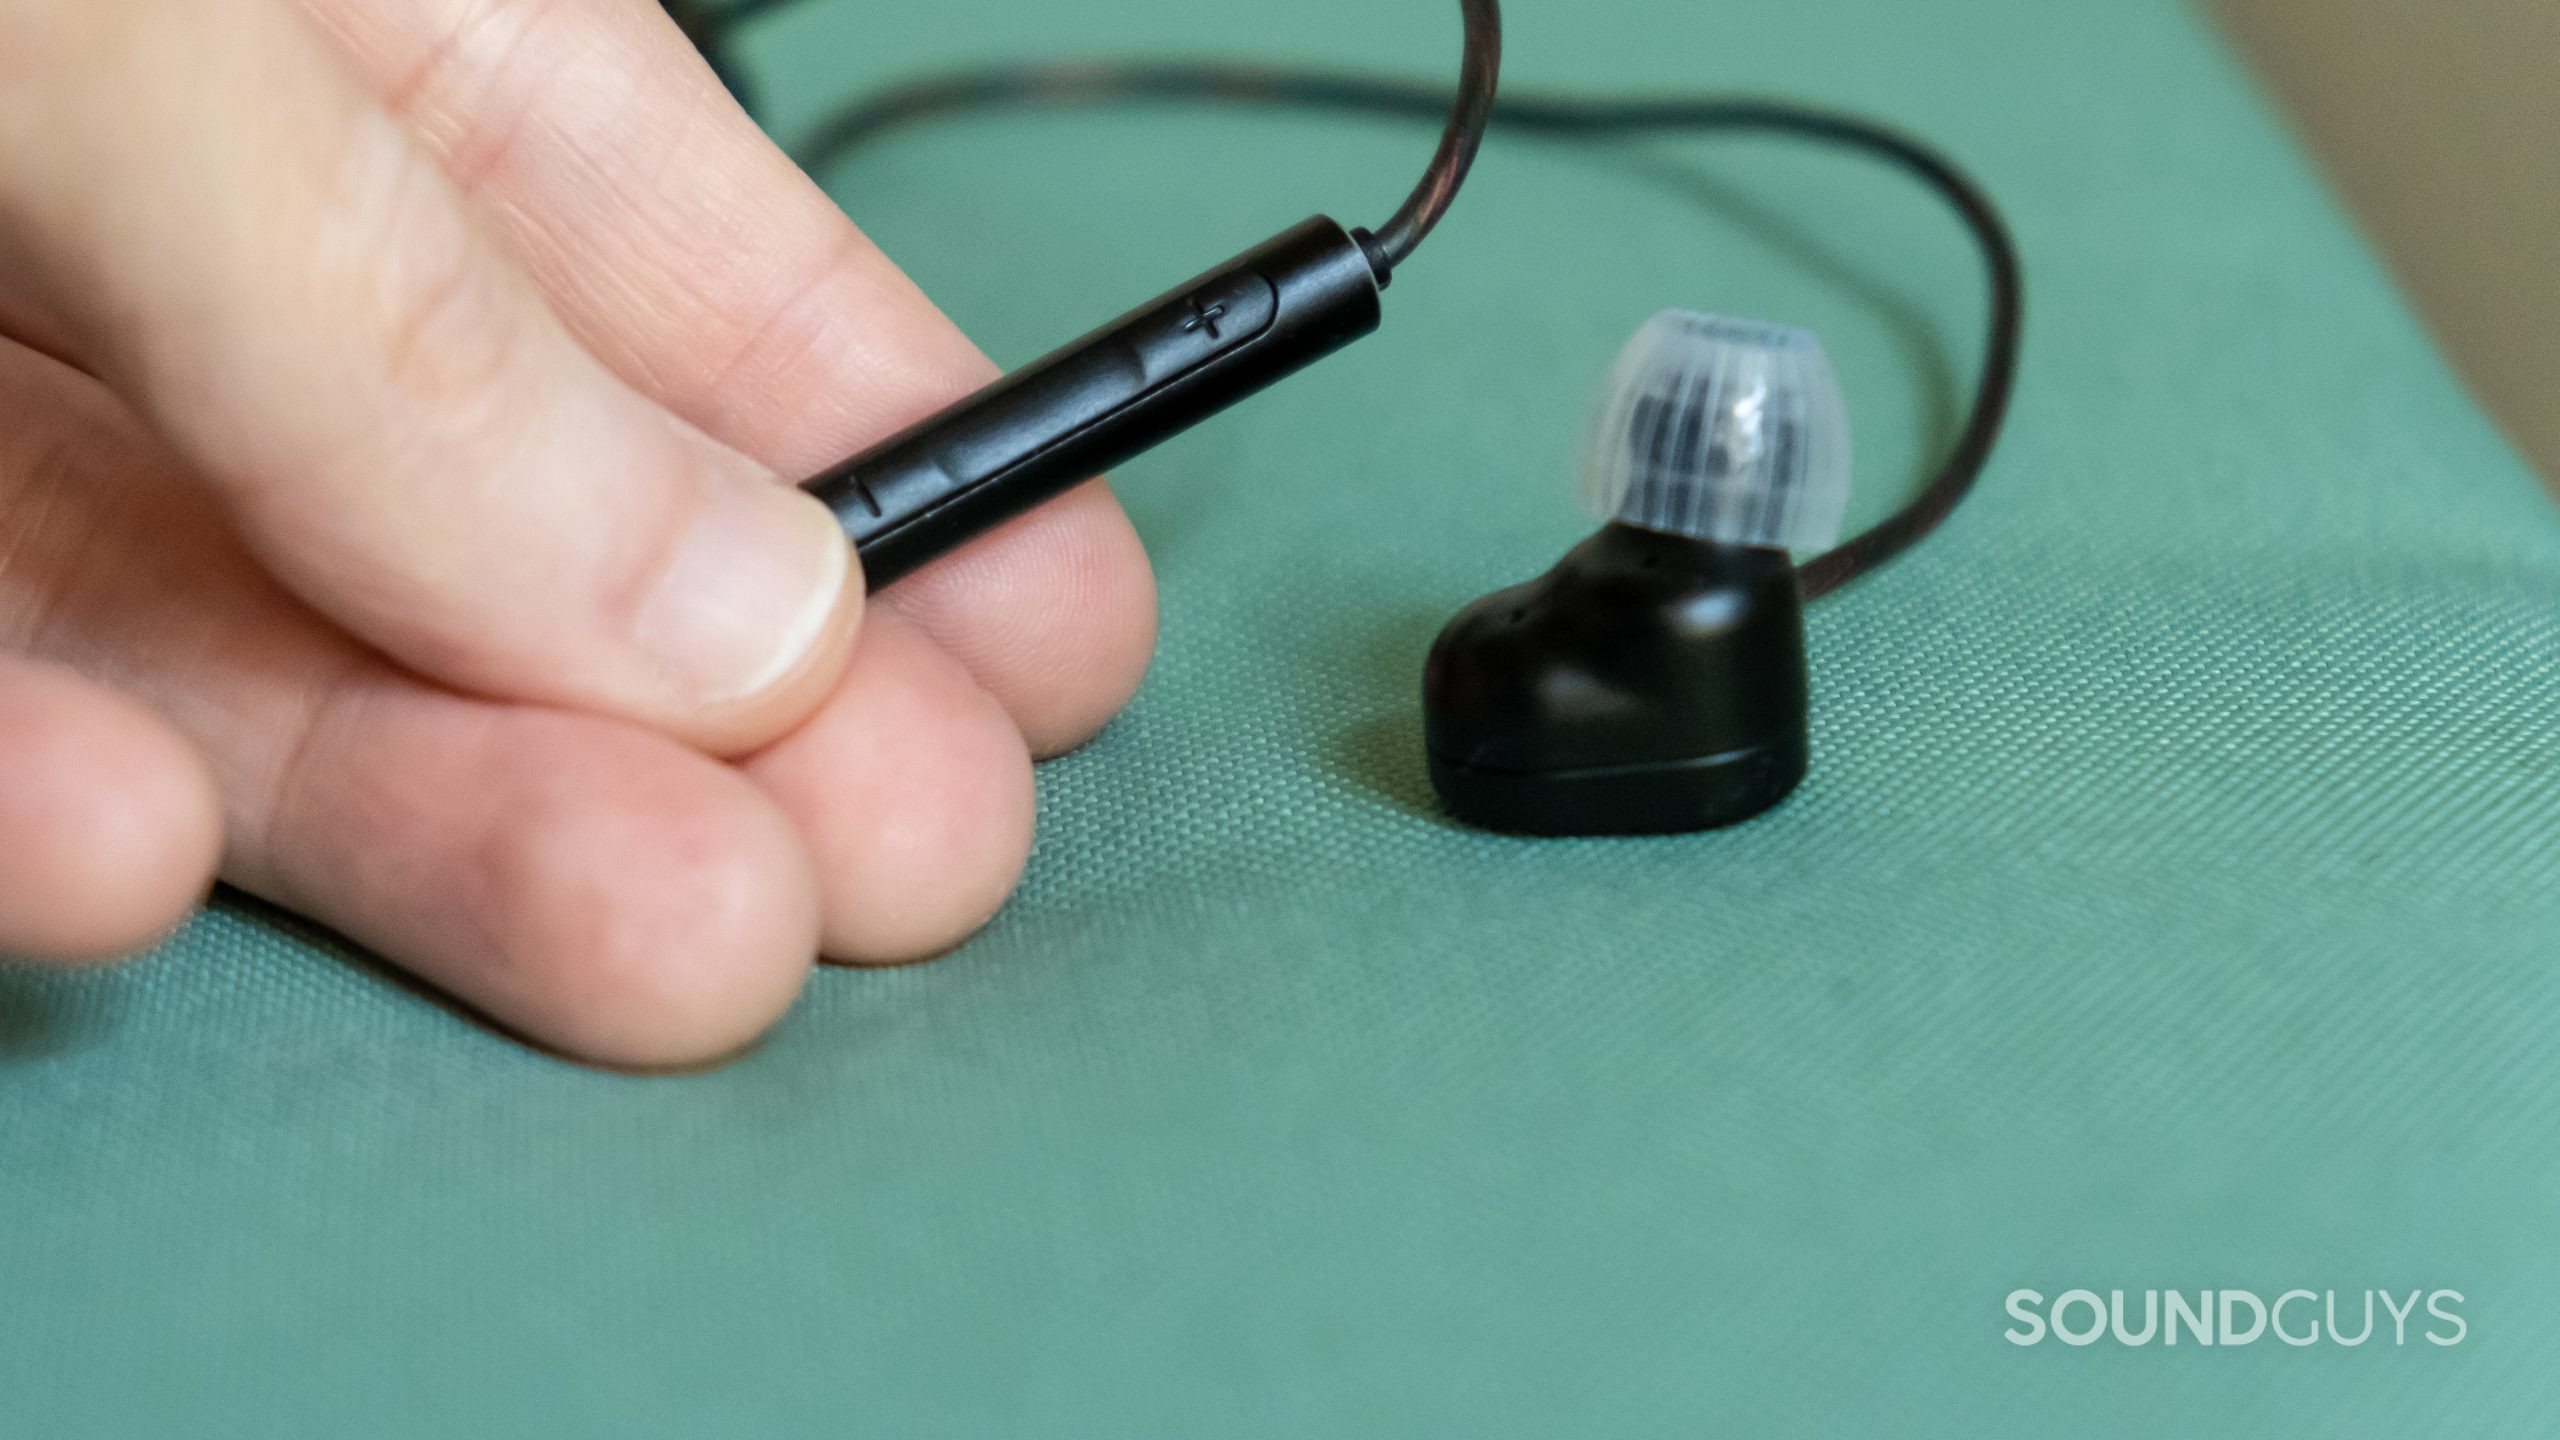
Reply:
x=1468 y=112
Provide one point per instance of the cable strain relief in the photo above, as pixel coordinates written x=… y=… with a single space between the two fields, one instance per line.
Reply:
x=1378 y=265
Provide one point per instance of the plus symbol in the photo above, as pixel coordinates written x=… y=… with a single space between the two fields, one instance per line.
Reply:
x=1204 y=319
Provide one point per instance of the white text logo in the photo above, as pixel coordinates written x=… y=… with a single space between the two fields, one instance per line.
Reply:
x=2228 y=1317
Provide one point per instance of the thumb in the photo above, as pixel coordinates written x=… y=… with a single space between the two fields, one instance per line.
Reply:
x=259 y=258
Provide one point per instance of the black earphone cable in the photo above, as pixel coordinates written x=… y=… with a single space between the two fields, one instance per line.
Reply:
x=1468 y=111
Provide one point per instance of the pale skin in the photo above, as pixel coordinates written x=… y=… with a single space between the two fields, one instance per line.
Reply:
x=397 y=400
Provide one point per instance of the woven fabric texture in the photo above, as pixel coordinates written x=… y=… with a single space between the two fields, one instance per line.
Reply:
x=2173 y=903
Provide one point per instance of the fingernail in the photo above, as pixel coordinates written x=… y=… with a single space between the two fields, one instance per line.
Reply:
x=750 y=591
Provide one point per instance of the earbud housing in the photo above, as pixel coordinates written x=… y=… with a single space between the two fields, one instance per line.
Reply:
x=1649 y=684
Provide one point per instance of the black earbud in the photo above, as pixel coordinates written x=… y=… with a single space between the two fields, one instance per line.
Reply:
x=1654 y=680
x=1650 y=683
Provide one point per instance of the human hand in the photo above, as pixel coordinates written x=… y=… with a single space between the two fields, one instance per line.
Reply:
x=393 y=400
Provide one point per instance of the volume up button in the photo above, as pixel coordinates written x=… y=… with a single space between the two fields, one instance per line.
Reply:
x=1220 y=315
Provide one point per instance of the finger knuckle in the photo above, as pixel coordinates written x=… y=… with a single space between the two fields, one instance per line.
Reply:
x=427 y=317
x=411 y=277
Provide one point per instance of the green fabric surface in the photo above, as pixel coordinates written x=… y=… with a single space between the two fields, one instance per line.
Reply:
x=2173 y=902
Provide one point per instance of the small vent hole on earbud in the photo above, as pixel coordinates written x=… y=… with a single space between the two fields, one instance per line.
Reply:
x=1518 y=615
x=1652 y=562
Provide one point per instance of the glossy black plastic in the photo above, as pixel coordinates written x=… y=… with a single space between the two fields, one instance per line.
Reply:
x=1648 y=684
x=1151 y=374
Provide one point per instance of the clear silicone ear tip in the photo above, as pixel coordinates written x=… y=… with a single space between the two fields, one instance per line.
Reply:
x=1726 y=430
